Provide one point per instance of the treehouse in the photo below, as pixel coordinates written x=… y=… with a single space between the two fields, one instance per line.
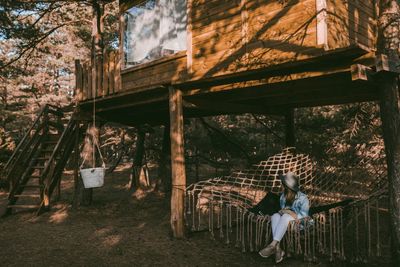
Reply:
x=233 y=57
x=194 y=58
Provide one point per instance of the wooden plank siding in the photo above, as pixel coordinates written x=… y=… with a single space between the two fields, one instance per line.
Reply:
x=235 y=36
x=164 y=71
x=241 y=37
x=351 y=22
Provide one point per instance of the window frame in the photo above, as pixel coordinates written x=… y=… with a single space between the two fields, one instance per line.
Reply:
x=124 y=6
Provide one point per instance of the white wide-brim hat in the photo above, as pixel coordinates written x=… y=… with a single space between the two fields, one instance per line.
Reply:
x=290 y=181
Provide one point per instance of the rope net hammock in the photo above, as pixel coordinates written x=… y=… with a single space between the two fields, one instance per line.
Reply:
x=351 y=232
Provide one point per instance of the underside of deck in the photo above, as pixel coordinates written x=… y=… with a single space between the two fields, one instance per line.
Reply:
x=326 y=80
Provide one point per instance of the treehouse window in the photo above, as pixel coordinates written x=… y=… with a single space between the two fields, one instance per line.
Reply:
x=154 y=29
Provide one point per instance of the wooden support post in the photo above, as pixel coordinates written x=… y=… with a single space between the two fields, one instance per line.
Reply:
x=322 y=25
x=289 y=129
x=164 y=169
x=75 y=201
x=388 y=83
x=121 y=37
x=78 y=81
x=134 y=182
x=390 y=115
x=177 y=162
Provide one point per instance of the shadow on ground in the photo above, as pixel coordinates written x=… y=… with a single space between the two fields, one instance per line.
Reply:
x=117 y=230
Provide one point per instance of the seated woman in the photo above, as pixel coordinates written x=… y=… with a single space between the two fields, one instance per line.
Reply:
x=294 y=205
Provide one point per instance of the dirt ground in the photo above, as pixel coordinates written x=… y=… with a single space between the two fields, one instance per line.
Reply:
x=116 y=230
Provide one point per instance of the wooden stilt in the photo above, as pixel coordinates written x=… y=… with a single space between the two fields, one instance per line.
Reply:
x=75 y=201
x=390 y=115
x=164 y=170
x=289 y=128
x=387 y=63
x=177 y=162
x=134 y=182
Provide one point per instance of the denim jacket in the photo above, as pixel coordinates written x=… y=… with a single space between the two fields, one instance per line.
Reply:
x=300 y=205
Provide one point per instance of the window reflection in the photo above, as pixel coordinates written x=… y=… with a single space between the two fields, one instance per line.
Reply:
x=153 y=29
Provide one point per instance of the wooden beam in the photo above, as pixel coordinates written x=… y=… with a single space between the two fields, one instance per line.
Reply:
x=226 y=108
x=390 y=116
x=189 y=38
x=384 y=63
x=322 y=25
x=341 y=57
x=361 y=72
x=177 y=162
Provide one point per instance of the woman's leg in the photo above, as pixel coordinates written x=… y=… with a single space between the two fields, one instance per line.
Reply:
x=271 y=248
x=274 y=222
x=282 y=226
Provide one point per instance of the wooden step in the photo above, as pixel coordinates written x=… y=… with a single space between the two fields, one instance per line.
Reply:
x=56 y=125
x=53 y=137
x=27 y=196
x=32 y=186
x=36 y=176
x=43 y=158
x=56 y=112
x=47 y=150
x=24 y=206
x=38 y=167
x=50 y=142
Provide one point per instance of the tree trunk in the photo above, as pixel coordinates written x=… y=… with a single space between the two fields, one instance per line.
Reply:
x=289 y=129
x=388 y=44
x=77 y=181
x=177 y=163
x=97 y=48
x=137 y=163
x=391 y=121
x=164 y=168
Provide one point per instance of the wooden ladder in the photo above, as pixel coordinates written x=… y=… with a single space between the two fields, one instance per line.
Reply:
x=36 y=166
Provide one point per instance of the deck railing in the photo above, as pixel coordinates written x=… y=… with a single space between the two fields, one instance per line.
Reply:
x=99 y=80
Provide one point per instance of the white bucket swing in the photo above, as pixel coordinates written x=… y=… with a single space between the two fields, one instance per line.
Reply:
x=93 y=177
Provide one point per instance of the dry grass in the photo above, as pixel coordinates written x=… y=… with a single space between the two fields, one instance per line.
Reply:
x=117 y=230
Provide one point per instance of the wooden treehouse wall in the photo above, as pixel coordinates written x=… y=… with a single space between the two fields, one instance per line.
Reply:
x=234 y=36
x=352 y=22
x=231 y=36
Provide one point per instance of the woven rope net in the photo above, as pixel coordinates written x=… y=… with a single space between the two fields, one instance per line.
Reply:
x=221 y=204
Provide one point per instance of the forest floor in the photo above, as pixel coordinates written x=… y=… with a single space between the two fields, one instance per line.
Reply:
x=116 y=230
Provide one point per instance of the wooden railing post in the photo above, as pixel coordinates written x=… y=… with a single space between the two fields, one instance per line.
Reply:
x=177 y=162
x=78 y=80
x=105 y=74
x=111 y=74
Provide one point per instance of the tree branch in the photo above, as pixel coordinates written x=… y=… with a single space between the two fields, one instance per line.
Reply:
x=34 y=44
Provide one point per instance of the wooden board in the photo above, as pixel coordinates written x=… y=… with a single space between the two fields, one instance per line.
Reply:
x=243 y=35
x=156 y=73
x=351 y=22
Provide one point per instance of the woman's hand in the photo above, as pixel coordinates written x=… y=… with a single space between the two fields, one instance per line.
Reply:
x=288 y=211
